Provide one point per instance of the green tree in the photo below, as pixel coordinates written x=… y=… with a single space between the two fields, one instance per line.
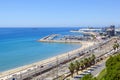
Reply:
x=93 y=59
x=77 y=66
x=72 y=68
x=113 y=68
x=82 y=64
x=117 y=45
x=90 y=61
x=114 y=47
x=94 y=78
x=86 y=62
x=112 y=71
x=87 y=77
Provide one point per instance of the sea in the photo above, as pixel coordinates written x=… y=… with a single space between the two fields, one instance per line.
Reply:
x=19 y=46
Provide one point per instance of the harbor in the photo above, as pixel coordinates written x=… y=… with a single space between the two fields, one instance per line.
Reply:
x=64 y=39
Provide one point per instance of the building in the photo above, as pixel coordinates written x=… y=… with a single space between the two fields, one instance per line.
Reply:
x=117 y=32
x=110 y=31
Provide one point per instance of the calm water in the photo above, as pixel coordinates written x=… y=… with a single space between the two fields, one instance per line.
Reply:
x=18 y=46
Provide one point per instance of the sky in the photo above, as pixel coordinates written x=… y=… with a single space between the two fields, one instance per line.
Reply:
x=59 y=13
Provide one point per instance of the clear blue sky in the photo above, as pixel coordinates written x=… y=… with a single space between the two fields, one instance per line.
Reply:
x=56 y=13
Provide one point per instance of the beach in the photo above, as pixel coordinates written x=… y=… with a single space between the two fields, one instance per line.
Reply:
x=7 y=74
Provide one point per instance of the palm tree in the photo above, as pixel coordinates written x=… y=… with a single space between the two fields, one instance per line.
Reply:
x=71 y=68
x=114 y=47
x=86 y=61
x=117 y=45
x=93 y=58
x=82 y=64
x=77 y=66
x=90 y=61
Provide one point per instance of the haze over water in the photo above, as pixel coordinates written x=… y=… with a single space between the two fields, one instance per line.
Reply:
x=19 y=46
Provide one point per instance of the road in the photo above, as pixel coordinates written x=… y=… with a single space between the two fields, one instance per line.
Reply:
x=98 y=68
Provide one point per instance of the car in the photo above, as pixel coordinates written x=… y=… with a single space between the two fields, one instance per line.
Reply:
x=94 y=67
x=91 y=69
x=78 y=77
x=48 y=78
x=84 y=73
x=87 y=72
x=97 y=65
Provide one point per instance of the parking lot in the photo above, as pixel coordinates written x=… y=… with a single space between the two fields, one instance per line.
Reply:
x=94 y=70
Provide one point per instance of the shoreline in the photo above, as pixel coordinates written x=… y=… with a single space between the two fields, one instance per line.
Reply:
x=22 y=69
x=38 y=60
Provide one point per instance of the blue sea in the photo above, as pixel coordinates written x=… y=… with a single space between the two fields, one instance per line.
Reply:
x=19 y=46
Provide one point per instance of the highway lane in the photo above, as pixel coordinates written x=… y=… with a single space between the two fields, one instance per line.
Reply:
x=98 y=68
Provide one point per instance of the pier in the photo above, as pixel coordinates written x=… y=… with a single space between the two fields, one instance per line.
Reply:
x=61 y=41
x=50 y=37
x=66 y=39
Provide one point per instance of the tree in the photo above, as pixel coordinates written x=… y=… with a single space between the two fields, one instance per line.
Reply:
x=87 y=77
x=93 y=59
x=77 y=66
x=114 y=47
x=86 y=62
x=113 y=68
x=89 y=61
x=71 y=68
x=94 y=78
x=117 y=45
x=82 y=64
x=94 y=37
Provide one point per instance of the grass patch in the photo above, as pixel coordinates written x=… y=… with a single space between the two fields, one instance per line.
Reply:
x=101 y=75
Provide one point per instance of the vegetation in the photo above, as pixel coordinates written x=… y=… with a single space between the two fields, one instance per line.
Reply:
x=94 y=37
x=88 y=77
x=113 y=68
x=77 y=66
x=101 y=75
x=112 y=71
x=116 y=46
x=72 y=68
x=80 y=65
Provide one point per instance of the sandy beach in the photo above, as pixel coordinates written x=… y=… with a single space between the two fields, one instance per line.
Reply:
x=7 y=74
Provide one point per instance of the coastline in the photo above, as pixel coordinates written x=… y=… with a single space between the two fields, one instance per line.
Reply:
x=22 y=69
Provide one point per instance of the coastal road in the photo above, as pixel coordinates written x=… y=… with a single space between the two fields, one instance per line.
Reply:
x=98 y=68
